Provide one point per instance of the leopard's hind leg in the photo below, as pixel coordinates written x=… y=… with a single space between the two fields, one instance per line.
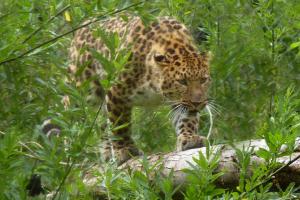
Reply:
x=119 y=115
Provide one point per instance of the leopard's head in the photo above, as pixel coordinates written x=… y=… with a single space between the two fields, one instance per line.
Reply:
x=185 y=77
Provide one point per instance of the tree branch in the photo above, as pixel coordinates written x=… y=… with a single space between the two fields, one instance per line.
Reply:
x=68 y=32
x=177 y=161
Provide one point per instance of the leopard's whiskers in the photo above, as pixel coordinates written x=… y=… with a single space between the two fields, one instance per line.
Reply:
x=214 y=107
x=213 y=102
x=178 y=112
x=173 y=110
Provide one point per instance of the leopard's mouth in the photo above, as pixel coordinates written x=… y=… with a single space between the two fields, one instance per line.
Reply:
x=182 y=108
x=195 y=105
x=178 y=101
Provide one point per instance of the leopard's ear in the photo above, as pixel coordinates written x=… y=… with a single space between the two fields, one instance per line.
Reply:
x=161 y=59
x=207 y=56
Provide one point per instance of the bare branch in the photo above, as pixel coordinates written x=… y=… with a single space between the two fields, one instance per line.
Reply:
x=68 y=32
x=228 y=164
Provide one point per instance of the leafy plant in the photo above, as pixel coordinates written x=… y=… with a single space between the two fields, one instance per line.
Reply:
x=282 y=127
x=256 y=56
x=202 y=176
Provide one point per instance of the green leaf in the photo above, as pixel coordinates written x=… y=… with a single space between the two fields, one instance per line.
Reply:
x=263 y=153
x=294 y=45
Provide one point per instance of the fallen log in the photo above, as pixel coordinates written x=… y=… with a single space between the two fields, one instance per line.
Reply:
x=228 y=164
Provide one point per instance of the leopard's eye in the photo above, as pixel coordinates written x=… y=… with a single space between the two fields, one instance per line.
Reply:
x=203 y=80
x=183 y=82
x=160 y=58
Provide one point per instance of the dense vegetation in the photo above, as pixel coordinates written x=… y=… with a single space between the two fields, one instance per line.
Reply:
x=255 y=72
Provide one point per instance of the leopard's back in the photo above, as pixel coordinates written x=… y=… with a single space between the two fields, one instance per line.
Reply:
x=164 y=34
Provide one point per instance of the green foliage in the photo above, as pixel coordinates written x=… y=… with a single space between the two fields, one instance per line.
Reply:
x=283 y=126
x=145 y=184
x=256 y=54
x=201 y=177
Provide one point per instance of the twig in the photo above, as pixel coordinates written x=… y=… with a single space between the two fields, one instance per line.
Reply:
x=68 y=32
x=4 y=15
x=69 y=158
x=40 y=28
x=14 y=13
x=64 y=179
x=272 y=175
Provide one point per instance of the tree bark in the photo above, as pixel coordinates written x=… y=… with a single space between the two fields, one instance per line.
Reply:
x=228 y=164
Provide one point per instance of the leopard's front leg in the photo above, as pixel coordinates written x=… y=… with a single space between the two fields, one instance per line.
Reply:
x=186 y=126
x=119 y=107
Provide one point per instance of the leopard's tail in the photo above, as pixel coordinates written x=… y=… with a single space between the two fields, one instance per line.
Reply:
x=34 y=185
x=50 y=129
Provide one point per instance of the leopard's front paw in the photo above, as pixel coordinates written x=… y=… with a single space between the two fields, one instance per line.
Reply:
x=185 y=142
x=125 y=153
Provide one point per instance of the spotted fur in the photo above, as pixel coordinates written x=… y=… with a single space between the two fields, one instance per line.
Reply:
x=165 y=67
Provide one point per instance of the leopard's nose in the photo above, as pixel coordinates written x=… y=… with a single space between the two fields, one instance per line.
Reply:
x=198 y=104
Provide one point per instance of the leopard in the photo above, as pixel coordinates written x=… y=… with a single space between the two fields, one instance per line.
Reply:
x=165 y=67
